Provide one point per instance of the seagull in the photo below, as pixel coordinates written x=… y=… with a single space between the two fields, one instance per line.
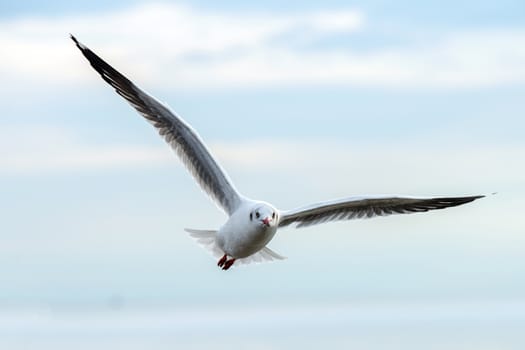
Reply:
x=251 y=224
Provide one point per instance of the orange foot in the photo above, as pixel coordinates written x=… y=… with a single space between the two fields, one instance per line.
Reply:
x=228 y=264
x=221 y=262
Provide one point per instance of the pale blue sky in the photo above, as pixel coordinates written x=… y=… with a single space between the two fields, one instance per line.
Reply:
x=301 y=102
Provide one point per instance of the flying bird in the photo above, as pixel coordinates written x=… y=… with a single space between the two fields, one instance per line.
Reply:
x=251 y=224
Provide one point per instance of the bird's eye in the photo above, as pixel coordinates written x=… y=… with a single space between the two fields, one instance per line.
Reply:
x=257 y=215
x=273 y=215
x=251 y=216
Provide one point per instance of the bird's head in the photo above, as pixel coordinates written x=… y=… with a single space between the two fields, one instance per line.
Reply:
x=264 y=215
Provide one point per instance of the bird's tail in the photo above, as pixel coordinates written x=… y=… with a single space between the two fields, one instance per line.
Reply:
x=206 y=239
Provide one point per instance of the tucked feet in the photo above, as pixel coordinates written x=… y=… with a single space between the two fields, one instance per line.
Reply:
x=228 y=264
x=221 y=262
x=224 y=263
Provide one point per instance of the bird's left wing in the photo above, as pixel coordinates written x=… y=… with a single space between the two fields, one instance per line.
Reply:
x=177 y=133
x=366 y=207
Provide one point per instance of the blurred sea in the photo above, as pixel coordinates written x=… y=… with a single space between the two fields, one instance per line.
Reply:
x=409 y=325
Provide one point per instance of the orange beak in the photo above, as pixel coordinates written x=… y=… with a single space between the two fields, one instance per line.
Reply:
x=266 y=221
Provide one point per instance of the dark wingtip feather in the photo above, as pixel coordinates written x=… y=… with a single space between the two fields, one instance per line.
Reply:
x=473 y=198
x=106 y=71
x=79 y=45
x=455 y=201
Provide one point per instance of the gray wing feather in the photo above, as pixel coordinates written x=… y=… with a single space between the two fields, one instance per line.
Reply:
x=366 y=207
x=177 y=133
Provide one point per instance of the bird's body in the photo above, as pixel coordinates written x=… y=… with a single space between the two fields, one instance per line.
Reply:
x=251 y=224
x=241 y=237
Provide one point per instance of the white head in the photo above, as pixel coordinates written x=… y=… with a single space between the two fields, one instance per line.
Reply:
x=264 y=215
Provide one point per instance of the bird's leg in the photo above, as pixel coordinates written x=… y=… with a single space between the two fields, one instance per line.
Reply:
x=221 y=262
x=228 y=264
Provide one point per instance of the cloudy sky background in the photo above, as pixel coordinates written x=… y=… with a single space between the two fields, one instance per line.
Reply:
x=300 y=102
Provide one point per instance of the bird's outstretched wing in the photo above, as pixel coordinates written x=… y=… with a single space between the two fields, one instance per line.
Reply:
x=177 y=133
x=366 y=207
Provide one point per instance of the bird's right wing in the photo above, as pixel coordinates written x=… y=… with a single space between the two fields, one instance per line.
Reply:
x=177 y=133
x=366 y=207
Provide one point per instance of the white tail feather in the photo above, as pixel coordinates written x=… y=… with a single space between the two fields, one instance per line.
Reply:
x=263 y=255
x=206 y=239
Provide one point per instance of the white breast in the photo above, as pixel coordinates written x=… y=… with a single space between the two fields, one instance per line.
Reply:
x=240 y=237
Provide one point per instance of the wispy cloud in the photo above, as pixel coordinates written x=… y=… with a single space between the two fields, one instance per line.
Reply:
x=176 y=45
x=56 y=150
x=36 y=150
x=162 y=35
